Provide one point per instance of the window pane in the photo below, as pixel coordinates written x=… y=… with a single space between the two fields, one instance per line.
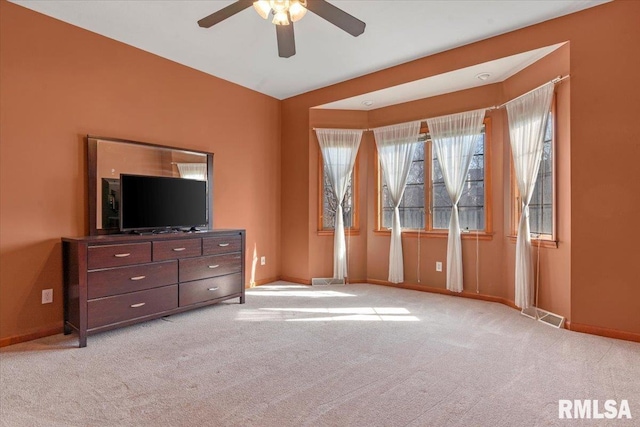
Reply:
x=416 y=173
x=413 y=196
x=412 y=217
x=441 y=196
x=330 y=205
x=441 y=217
x=471 y=218
x=473 y=195
x=386 y=198
x=470 y=210
x=412 y=203
x=476 y=168
x=471 y=203
x=541 y=206
x=547 y=193
x=437 y=173
x=387 y=215
x=419 y=153
x=412 y=206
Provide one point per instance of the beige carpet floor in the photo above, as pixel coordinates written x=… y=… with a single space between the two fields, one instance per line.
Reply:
x=355 y=355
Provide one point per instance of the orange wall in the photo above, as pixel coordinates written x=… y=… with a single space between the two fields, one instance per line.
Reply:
x=605 y=177
x=597 y=188
x=59 y=83
x=295 y=214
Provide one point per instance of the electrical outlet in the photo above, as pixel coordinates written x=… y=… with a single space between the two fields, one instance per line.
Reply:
x=263 y=260
x=47 y=296
x=438 y=266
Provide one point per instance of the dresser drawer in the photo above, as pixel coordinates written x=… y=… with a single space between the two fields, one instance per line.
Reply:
x=105 y=311
x=221 y=244
x=174 y=249
x=118 y=255
x=113 y=281
x=211 y=266
x=208 y=289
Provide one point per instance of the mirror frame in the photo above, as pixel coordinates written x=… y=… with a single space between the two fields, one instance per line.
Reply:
x=92 y=179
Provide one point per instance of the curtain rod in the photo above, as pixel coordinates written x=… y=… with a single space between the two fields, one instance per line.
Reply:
x=339 y=129
x=425 y=119
x=554 y=81
x=494 y=107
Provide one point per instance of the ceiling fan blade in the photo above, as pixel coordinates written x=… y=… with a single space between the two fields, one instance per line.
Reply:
x=286 y=40
x=336 y=16
x=224 y=13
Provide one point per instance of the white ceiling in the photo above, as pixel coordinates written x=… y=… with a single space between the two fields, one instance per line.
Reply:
x=243 y=50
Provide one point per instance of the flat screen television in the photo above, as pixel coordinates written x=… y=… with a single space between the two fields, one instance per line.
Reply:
x=160 y=203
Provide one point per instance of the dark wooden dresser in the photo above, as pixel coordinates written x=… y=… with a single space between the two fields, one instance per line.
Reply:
x=117 y=280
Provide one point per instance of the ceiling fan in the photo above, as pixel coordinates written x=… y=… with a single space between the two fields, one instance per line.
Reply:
x=285 y=13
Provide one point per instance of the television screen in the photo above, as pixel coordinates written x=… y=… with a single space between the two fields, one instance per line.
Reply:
x=151 y=202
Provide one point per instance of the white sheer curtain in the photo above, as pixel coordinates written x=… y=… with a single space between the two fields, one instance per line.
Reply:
x=339 y=150
x=454 y=141
x=196 y=171
x=396 y=147
x=527 y=120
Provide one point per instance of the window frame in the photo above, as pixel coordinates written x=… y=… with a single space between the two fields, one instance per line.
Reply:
x=429 y=231
x=544 y=240
x=355 y=228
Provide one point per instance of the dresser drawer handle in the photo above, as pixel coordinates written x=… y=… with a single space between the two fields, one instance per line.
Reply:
x=138 y=278
x=222 y=245
x=214 y=266
x=179 y=249
x=122 y=255
x=140 y=304
x=214 y=289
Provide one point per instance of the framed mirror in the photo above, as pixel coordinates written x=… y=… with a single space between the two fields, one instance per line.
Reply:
x=109 y=157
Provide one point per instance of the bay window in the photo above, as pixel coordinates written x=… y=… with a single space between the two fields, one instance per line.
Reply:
x=426 y=205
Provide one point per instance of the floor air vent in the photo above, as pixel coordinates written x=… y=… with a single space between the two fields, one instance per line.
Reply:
x=326 y=281
x=544 y=316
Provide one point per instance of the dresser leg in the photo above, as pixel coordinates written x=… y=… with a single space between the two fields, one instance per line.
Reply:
x=82 y=338
x=67 y=328
x=242 y=299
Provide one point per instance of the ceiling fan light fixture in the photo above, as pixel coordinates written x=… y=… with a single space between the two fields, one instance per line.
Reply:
x=297 y=10
x=280 y=18
x=279 y=5
x=285 y=12
x=263 y=8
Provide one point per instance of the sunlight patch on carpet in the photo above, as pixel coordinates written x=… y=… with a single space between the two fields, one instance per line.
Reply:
x=375 y=314
x=300 y=293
